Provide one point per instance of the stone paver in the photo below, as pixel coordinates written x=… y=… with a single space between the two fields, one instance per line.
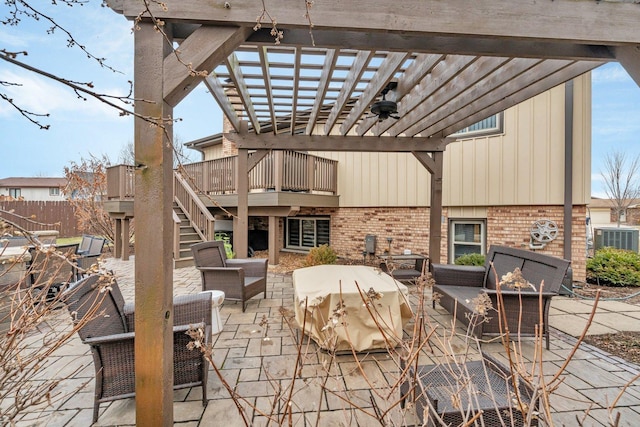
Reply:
x=262 y=371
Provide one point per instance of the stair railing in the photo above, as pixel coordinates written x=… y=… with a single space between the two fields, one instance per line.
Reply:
x=176 y=235
x=195 y=210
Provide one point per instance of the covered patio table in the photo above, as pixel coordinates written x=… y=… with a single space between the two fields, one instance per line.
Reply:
x=350 y=306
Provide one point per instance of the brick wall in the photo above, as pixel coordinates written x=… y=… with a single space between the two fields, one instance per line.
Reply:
x=409 y=229
x=510 y=226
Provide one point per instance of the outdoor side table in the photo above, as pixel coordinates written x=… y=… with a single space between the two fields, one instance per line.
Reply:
x=458 y=392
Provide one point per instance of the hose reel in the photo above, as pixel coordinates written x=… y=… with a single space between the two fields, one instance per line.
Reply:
x=542 y=232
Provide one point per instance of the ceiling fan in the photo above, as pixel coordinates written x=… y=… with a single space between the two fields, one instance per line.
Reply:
x=384 y=108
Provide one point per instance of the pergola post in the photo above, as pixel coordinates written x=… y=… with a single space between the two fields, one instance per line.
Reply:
x=154 y=266
x=117 y=238
x=433 y=163
x=274 y=232
x=241 y=221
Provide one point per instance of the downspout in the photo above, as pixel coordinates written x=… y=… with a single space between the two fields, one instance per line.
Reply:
x=568 y=168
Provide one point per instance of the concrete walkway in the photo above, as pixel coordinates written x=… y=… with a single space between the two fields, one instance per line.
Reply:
x=258 y=369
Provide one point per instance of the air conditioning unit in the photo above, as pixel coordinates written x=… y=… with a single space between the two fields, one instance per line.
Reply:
x=620 y=238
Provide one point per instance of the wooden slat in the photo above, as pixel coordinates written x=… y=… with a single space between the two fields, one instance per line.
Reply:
x=528 y=91
x=465 y=79
x=507 y=72
x=235 y=74
x=264 y=63
x=359 y=64
x=421 y=66
x=538 y=72
x=218 y=93
x=441 y=74
x=378 y=82
x=296 y=83
x=327 y=70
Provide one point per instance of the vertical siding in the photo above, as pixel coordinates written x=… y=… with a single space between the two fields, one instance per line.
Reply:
x=380 y=179
x=524 y=165
x=212 y=153
x=582 y=134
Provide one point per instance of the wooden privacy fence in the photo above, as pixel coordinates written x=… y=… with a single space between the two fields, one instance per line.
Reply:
x=40 y=215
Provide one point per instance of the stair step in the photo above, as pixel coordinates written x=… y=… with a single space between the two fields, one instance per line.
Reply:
x=183 y=262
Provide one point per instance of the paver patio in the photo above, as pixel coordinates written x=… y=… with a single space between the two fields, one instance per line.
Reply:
x=259 y=369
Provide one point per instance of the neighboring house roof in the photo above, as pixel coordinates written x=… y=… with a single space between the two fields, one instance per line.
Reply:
x=608 y=203
x=32 y=182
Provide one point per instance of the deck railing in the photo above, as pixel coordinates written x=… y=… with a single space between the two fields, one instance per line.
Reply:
x=278 y=171
x=120 y=182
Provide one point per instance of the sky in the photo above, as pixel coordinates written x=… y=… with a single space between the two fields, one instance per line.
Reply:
x=80 y=129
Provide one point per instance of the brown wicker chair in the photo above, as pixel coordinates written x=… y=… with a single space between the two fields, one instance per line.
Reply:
x=109 y=330
x=239 y=279
x=52 y=269
x=457 y=287
x=88 y=253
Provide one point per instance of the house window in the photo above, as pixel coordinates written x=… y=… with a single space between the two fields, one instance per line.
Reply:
x=16 y=193
x=490 y=126
x=306 y=233
x=54 y=191
x=466 y=237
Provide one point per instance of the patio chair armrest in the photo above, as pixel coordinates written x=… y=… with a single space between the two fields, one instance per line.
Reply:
x=109 y=339
x=219 y=269
x=193 y=308
x=187 y=309
x=221 y=278
x=256 y=267
x=458 y=275
x=511 y=293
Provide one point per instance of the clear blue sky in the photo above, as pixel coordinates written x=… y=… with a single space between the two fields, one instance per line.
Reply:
x=80 y=128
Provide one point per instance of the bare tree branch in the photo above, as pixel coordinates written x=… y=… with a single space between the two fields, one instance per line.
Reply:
x=622 y=181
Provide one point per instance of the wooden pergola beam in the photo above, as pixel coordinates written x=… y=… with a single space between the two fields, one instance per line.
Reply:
x=629 y=57
x=201 y=51
x=439 y=44
x=252 y=141
x=609 y=22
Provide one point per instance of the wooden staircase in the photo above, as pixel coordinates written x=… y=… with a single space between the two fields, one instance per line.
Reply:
x=193 y=223
x=187 y=237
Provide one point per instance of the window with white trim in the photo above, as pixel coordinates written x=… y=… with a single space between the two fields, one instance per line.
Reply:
x=489 y=126
x=54 y=191
x=466 y=237
x=306 y=232
x=16 y=193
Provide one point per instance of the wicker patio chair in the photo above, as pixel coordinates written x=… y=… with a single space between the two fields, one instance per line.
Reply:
x=88 y=256
x=52 y=269
x=239 y=279
x=109 y=330
x=85 y=244
x=457 y=287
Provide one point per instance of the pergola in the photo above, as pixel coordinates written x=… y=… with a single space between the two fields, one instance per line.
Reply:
x=451 y=63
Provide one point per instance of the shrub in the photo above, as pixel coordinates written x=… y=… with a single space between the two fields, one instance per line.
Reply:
x=470 y=259
x=321 y=255
x=614 y=267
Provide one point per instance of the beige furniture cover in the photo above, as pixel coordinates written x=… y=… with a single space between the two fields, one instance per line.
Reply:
x=369 y=319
